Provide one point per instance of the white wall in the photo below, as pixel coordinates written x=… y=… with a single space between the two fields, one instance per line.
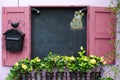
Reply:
x=9 y=3
x=4 y=70
x=65 y=2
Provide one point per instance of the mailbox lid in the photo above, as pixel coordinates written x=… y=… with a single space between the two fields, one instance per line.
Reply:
x=13 y=32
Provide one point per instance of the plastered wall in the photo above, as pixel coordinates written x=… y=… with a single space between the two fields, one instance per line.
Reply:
x=17 y=3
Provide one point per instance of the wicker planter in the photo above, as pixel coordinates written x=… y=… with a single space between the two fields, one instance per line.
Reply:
x=25 y=77
x=38 y=75
x=95 y=75
x=82 y=76
x=49 y=75
x=59 y=75
x=73 y=75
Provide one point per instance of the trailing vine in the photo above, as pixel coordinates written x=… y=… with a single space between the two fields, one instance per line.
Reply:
x=114 y=5
x=115 y=69
x=110 y=56
x=115 y=8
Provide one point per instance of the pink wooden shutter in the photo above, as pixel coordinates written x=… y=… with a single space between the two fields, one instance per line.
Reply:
x=15 y=14
x=99 y=28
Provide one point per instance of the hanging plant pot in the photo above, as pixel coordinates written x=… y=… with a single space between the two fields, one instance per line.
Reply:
x=59 y=75
x=38 y=75
x=73 y=75
x=95 y=75
x=49 y=75
x=82 y=76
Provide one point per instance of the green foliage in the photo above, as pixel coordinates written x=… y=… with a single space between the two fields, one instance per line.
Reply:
x=86 y=63
x=49 y=62
x=59 y=63
x=82 y=52
x=106 y=78
x=81 y=63
x=71 y=63
x=115 y=70
x=115 y=8
x=37 y=64
x=23 y=66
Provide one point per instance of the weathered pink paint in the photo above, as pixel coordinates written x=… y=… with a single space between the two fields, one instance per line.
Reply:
x=16 y=14
x=99 y=27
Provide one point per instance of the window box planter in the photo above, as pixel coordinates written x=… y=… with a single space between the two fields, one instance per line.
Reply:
x=73 y=75
x=60 y=75
x=83 y=76
x=95 y=75
x=49 y=75
x=25 y=77
x=38 y=75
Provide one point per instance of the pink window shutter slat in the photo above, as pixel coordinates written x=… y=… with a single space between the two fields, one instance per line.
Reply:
x=99 y=36
x=15 y=14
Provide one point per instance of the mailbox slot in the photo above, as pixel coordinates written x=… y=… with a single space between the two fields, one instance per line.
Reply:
x=12 y=39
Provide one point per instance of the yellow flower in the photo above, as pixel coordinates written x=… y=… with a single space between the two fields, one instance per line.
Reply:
x=92 y=61
x=37 y=59
x=102 y=59
x=92 y=56
x=66 y=57
x=58 y=56
x=24 y=66
x=52 y=59
x=72 y=58
x=108 y=76
x=104 y=62
x=31 y=69
x=16 y=64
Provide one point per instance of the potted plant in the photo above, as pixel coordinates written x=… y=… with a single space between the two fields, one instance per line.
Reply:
x=60 y=66
x=83 y=64
x=96 y=62
x=38 y=67
x=87 y=63
x=77 y=67
x=49 y=65
x=20 y=70
x=71 y=65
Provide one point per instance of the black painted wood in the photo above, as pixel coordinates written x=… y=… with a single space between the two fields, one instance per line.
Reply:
x=51 y=32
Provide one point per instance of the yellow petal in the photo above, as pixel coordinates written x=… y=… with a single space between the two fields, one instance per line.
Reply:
x=16 y=64
x=93 y=61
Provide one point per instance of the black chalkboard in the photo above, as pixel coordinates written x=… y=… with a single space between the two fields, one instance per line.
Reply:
x=51 y=32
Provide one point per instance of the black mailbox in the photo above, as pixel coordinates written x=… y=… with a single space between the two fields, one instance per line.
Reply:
x=14 y=40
